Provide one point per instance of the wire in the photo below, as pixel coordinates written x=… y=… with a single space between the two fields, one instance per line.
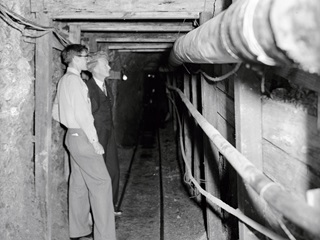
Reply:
x=216 y=79
x=27 y=27
x=235 y=212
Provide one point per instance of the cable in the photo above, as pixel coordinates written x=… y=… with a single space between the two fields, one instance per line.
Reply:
x=26 y=26
x=216 y=79
x=235 y=212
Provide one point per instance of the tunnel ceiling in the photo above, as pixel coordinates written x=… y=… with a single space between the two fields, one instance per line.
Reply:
x=142 y=44
x=139 y=45
x=141 y=30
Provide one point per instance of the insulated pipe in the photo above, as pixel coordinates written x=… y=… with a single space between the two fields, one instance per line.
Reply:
x=271 y=32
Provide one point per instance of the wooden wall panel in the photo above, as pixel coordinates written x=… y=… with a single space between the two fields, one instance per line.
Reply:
x=291 y=146
x=226 y=108
x=248 y=142
x=293 y=174
x=97 y=7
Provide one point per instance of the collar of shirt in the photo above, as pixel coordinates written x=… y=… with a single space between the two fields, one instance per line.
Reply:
x=99 y=83
x=73 y=70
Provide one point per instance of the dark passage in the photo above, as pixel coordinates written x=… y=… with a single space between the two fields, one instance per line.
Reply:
x=154 y=200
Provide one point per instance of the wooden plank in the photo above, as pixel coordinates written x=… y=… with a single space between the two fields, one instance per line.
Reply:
x=144 y=50
x=74 y=33
x=211 y=154
x=187 y=122
x=139 y=39
x=299 y=77
x=113 y=46
x=226 y=129
x=211 y=160
x=93 y=46
x=43 y=119
x=125 y=15
x=197 y=136
x=248 y=141
x=137 y=26
x=292 y=130
x=293 y=174
x=125 y=8
x=226 y=107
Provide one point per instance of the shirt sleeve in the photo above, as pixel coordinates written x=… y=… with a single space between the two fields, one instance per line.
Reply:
x=82 y=107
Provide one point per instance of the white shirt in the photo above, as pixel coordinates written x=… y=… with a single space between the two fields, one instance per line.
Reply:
x=72 y=105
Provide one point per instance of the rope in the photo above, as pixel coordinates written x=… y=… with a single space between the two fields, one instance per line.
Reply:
x=27 y=27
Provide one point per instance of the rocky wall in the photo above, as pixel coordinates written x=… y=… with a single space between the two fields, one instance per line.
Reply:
x=59 y=184
x=20 y=215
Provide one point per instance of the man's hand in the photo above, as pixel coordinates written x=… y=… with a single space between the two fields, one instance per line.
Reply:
x=98 y=148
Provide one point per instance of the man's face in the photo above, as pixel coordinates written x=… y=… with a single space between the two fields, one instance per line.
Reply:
x=103 y=67
x=81 y=60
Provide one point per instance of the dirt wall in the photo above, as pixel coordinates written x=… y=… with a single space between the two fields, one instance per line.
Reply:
x=20 y=216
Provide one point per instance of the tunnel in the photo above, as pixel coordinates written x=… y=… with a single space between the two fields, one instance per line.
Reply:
x=215 y=114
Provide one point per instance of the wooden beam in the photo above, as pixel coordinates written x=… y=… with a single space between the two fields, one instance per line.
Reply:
x=197 y=136
x=137 y=26
x=74 y=33
x=187 y=123
x=249 y=140
x=43 y=119
x=211 y=159
x=138 y=39
x=127 y=15
x=299 y=77
x=151 y=50
x=139 y=46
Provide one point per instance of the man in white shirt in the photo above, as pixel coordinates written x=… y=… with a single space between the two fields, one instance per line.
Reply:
x=90 y=183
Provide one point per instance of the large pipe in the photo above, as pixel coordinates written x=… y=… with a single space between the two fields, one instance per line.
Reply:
x=271 y=32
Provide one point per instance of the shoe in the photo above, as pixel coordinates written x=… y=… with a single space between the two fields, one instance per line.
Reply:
x=118 y=213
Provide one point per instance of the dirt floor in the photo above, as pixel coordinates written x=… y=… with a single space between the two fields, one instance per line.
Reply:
x=155 y=209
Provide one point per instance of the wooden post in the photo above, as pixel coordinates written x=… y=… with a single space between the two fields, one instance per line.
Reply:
x=43 y=106
x=210 y=152
x=74 y=33
x=187 y=123
x=211 y=159
x=197 y=141
x=248 y=140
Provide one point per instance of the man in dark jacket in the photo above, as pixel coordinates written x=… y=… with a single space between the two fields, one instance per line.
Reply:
x=101 y=104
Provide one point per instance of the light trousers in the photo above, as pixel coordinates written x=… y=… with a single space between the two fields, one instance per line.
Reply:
x=90 y=186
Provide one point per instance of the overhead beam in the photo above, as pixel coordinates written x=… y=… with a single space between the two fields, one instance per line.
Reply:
x=127 y=15
x=140 y=46
x=151 y=50
x=137 y=39
x=136 y=26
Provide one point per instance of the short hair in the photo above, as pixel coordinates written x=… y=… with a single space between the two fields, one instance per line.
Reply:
x=94 y=58
x=72 y=50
